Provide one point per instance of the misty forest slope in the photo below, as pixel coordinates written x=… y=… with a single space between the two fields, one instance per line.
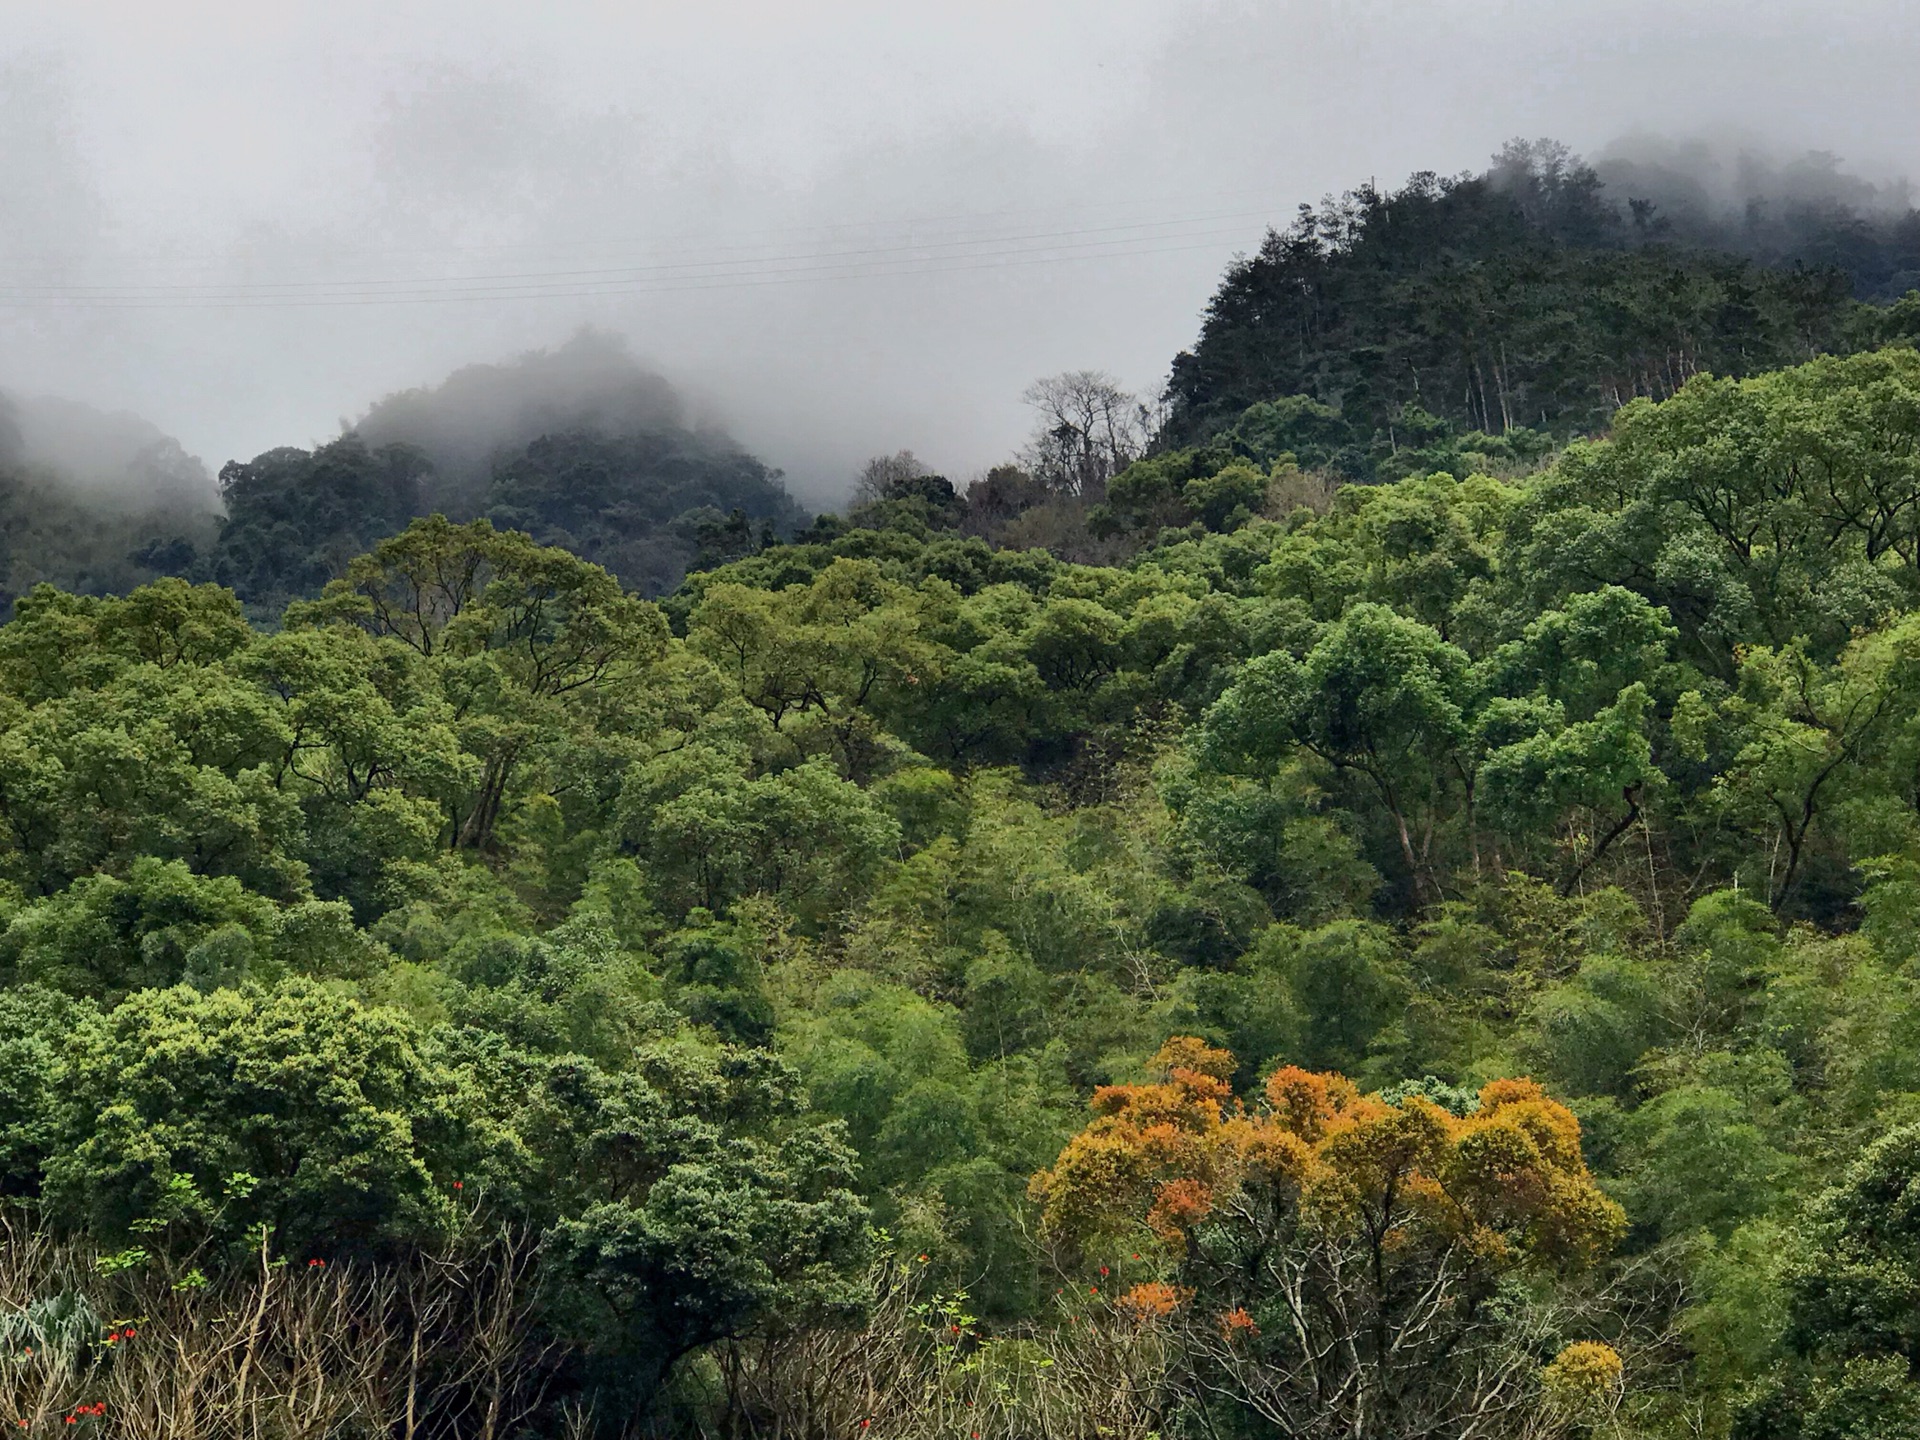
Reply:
x=1471 y=322
x=1533 y=297
x=579 y=447
x=1428 y=956
x=92 y=501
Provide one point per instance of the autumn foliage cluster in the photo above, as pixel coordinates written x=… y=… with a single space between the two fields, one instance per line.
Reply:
x=1334 y=1255
x=1505 y=1183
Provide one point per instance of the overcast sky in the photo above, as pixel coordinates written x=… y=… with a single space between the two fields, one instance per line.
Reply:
x=844 y=227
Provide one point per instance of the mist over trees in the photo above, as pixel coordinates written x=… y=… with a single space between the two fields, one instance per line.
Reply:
x=1529 y=297
x=92 y=501
x=579 y=446
x=1805 y=210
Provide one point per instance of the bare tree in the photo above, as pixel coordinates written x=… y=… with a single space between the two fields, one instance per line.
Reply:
x=440 y=1345
x=920 y=1366
x=1090 y=430
x=883 y=473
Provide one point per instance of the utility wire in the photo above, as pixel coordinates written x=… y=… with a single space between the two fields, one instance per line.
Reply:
x=917 y=256
x=735 y=282
x=913 y=229
x=915 y=250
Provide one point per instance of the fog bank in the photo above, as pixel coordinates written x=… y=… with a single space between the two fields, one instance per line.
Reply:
x=839 y=229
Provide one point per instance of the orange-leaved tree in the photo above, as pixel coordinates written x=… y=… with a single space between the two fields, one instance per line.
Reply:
x=1358 y=1265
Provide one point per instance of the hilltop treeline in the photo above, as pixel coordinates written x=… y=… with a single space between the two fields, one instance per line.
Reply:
x=1521 y=305
x=579 y=447
x=1466 y=323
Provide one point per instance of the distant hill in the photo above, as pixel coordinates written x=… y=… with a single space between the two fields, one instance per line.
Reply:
x=1806 y=211
x=580 y=446
x=113 y=456
x=94 y=501
x=482 y=414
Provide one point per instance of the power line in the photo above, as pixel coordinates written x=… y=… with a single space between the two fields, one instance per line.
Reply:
x=913 y=249
x=703 y=243
x=472 y=297
x=875 y=263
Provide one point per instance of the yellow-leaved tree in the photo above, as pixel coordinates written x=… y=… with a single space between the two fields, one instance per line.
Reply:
x=1343 y=1264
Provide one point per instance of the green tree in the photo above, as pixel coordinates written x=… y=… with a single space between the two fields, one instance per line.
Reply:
x=1379 y=697
x=527 y=643
x=709 y=1207
x=1852 y=1280
x=294 y=1108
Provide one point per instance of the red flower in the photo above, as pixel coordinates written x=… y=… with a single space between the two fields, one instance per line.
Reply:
x=1237 y=1324
x=316 y=1264
x=1103 y=1272
x=456 y=1184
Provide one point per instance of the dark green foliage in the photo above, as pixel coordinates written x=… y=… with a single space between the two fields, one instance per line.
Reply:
x=646 y=507
x=1852 y=1283
x=710 y=1210
x=714 y=982
x=295 y=517
x=1498 y=302
x=579 y=447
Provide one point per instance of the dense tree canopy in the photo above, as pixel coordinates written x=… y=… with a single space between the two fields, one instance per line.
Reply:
x=460 y=978
x=1519 y=299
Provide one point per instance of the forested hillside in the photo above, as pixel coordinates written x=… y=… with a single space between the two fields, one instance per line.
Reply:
x=579 y=446
x=1432 y=958
x=1526 y=303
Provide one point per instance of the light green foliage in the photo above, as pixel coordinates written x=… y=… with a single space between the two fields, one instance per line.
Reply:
x=949 y=1138
x=1699 y=1161
x=1756 y=511
x=164 y=925
x=692 y=938
x=350 y=1133
x=1588 y=1033
x=1380 y=697
x=711 y=833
